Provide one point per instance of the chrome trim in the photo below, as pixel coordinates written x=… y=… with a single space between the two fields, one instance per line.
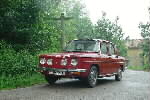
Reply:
x=61 y=70
x=94 y=61
x=104 y=62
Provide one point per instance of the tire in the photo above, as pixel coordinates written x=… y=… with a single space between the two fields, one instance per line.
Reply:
x=91 y=80
x=118 y=76
x=50 y=79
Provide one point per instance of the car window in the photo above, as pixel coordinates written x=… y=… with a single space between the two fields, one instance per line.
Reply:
x=111 y=49
x=103 y=48
x=82 y=45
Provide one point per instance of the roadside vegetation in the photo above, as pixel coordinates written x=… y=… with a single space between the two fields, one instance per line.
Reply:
x=145 y=46
x=145 y=33
x=140 y=68
x=27 y=29
x=17 y=68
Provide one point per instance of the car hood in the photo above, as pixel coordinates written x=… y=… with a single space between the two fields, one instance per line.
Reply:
x=71 y=54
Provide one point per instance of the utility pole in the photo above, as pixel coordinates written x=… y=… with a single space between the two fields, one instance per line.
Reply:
x=116 y=20
x=149 y=13
x=62 y=18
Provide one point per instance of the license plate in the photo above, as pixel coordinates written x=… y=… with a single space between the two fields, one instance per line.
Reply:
x=57 y=73
x=50 y=72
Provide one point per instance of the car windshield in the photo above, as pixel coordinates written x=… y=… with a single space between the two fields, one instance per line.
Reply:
x=82 y=46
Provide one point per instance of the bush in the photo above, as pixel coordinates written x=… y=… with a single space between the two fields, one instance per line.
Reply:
x=17 y=68
x=7 y=82
x=147 y=67
x=14 y=63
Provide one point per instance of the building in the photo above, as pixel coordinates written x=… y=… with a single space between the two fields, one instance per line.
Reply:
x=134 y=52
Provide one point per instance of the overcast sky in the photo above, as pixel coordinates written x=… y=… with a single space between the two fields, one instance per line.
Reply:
x=130 y=12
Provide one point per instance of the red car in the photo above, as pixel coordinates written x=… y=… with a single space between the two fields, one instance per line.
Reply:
x=86 y=60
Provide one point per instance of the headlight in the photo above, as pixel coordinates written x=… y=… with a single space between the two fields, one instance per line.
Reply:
x=74 y=62
x=49 y=62
x=64 y=62
x=42 y=60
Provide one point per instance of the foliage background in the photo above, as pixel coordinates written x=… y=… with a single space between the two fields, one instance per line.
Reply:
x=145 y=33
x=27 y=30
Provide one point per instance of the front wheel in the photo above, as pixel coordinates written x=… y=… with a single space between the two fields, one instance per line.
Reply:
x=118 y=76
x=92 y=77
x=50 y=79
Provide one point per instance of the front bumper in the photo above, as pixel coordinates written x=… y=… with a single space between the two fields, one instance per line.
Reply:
x=41 y=69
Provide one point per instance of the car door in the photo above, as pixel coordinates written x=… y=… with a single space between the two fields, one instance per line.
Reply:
x=105 y=64
x=113 y=59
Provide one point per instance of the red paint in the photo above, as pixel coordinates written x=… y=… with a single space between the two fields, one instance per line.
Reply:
x=107 y=64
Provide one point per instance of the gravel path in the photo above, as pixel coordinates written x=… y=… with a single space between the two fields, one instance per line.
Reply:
x=134 y=86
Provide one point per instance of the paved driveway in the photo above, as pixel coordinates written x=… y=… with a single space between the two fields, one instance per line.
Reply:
x=134 y=86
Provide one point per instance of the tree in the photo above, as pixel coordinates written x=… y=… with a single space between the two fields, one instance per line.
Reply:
x=145 y=33
x=80 y=26
x=26 y=24
x=47 y=31
x=111 y=31
x=17 y=20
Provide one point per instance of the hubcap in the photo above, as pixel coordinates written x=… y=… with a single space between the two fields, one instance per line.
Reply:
x=93 y=76
x=120 y=74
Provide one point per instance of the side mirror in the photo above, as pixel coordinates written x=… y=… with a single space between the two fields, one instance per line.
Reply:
x=109 y=54
x=117 y=53
x=99 y=52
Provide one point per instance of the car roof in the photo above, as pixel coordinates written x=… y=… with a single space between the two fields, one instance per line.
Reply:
x=100 y=40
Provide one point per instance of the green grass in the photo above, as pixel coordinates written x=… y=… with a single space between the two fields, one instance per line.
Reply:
x=136 y=67
x=140 y=68
x=25 y=80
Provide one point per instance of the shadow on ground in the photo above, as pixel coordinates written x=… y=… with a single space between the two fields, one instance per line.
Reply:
x=75 y=83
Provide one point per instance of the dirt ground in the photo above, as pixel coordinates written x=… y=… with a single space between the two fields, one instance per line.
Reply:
x=134 y=86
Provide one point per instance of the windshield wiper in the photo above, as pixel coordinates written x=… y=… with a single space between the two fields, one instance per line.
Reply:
x=79 y=50
x=74 y=51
